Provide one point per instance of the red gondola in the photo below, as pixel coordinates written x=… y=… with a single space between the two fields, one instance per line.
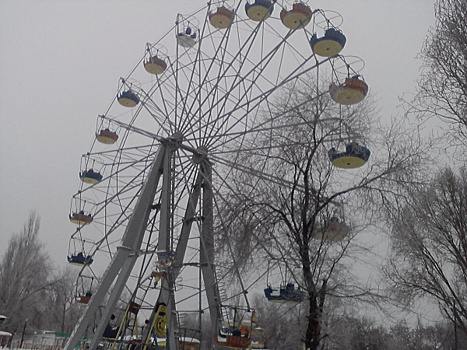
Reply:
x=222 y=18
x=351 y=92
x=155 y=65
x=332 y=231
x=298 y=17
x=106 y=136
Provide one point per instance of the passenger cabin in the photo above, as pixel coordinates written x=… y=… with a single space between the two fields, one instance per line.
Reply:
x=107 y=137
x=298 y=17
x=158 y=275
x=187 y=38
x=257 y=338
x=189 y=343
x=330 y=44
x=80 y=218
x=222 y=18
x=80 y=260
x=155 y=65
x=287 y=294
x=259 y=10
x=354 y=156
x=232 y=341
x=331 y=231
x=128 y=98
x=84 y=299
x=134 y=307
x=90 y=176
x=351 y=92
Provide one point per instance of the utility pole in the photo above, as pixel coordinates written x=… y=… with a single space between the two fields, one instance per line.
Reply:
x=22 y=334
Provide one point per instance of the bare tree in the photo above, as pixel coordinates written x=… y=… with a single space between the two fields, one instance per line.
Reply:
x=24 y=277
x=429 y=223
x=443 y=84
x=430 y=246
x=62 y=311
x=292 y=191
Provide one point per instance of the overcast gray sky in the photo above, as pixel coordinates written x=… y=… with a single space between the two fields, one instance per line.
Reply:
x=60 y=62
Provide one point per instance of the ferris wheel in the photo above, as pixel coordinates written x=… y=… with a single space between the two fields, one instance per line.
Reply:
x=166 y=146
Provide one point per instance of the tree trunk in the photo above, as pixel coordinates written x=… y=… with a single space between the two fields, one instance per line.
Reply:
x=313 y=331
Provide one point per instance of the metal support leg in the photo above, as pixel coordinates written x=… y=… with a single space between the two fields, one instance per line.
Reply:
x=121 y=263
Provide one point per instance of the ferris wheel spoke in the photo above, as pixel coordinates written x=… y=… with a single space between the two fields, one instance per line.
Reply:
x=254 y=172
x=213 y=58
x=255 y=102
x=257 y=68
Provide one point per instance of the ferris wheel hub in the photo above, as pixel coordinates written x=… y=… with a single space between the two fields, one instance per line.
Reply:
x=175 y=138
x=200 y=154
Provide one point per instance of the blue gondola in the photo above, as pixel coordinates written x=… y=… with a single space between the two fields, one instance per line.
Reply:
x=259 y=10
x=354 y=156
x=128 y=98
x=90 y=176
x=289 y=294
x=80 y=260
x=330 y=44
